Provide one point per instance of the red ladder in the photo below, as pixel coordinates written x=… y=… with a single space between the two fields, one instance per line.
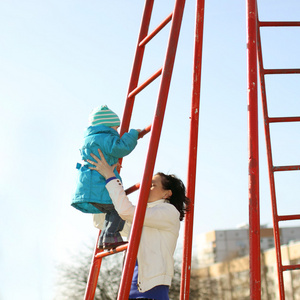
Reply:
x=268 y=121
x=165 y=72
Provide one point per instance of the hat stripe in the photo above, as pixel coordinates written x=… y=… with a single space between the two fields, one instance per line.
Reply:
x=105 y=120
x=109 y=113
x=106 y=123
x=104 y=116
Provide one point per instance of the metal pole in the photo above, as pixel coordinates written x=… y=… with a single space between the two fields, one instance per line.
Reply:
x=192 y=163
x=94 y=274
x=254 y=214
x=140 y=210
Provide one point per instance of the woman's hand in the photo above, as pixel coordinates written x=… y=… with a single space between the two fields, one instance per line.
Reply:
x=101 y=165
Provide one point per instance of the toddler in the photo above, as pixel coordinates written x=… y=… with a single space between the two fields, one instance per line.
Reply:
x=91 y=195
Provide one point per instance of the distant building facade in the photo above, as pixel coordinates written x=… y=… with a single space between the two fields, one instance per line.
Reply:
x=229 y=280
x=223 y=264
x=222 y=245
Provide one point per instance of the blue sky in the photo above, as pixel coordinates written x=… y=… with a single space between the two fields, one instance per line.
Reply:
x=60 y=59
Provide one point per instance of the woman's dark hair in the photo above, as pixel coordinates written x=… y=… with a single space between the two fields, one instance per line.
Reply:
x=178 y=198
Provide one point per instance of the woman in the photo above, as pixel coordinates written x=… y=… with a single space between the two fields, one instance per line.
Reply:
x=165 y=209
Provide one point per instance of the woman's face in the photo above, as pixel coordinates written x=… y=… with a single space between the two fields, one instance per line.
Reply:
x=156 y=191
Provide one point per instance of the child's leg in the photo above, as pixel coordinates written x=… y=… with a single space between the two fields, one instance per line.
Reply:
x=102 y=235
x=114 y=225
x=105 y=208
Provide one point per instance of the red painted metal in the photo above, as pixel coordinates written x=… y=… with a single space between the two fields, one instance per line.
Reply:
x=278 y=23
x=284 y=119
x=193 y=144
x=137 y=64
x=281 y=71
x=98 y=254
x=271 y=173
x=290 y=267
x=145 y=84
x=286 y=168
x=288 y=217
x=155 y=128
x=111 y=251
x=156 y=30
x=267 y=120
x=254 y=214
x=136 y=69
x=145 y=131
x=94 y=273
x=152 y=152
x=133 y=188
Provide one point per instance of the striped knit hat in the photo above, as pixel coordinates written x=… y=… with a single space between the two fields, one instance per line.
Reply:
x=103 y=116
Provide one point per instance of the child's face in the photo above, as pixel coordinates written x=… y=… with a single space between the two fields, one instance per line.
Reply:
x=115 y=128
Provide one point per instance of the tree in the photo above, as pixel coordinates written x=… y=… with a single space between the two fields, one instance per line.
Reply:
x=176 y=282
x=72 y=278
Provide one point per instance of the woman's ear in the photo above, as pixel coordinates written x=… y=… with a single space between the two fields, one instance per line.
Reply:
x=168 y=194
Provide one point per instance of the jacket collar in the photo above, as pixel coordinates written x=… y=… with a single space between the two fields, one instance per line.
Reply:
x=100 y=129
x=151 y=204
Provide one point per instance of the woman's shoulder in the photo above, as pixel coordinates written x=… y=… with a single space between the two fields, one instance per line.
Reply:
x=166 y=207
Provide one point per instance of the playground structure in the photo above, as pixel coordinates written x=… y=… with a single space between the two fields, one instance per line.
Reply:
x=254 y=56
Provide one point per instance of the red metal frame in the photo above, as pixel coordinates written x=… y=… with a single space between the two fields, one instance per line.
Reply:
x=137 y=65
x=193 y=145
x=166 y=73
x=271 y=167
x=152 y=152
x=253 y=52
x=94 y=273
x=253 y=164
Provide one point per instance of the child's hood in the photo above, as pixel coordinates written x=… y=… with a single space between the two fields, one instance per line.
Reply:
x=91 y=130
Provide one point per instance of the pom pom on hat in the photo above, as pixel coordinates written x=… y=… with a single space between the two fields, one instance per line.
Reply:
x=103 y=116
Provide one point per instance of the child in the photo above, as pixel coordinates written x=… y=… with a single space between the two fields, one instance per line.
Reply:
x=91 y=195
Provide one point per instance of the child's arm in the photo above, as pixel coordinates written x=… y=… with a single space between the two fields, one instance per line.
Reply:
x=122 y=146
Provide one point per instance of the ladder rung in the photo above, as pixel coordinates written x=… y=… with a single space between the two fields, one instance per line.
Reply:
x=281 y=71
x=286 y=168
x=132 y=189
x=284 y=119
x=112 y=251
x=278 y=23
x=146 y=83
x=288 y=217
x=290 y=267
x=156 y=30
x=145 y=131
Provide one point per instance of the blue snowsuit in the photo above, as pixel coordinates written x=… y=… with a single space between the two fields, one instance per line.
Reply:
x=90 y=184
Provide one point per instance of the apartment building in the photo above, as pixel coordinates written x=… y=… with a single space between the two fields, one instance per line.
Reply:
x=223 y=245
x=229 y=280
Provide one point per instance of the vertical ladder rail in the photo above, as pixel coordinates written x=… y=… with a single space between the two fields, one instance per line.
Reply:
x=193 y=144
x=253 y=160
x=166 y=73
x=137 y=65
x=272 y=169
x=99 y=254
x=140 y=210
x=96 y=261
x=93 y=274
